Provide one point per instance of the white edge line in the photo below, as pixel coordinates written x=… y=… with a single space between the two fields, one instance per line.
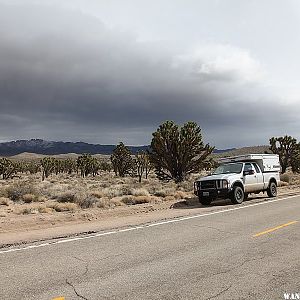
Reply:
x=143 y=226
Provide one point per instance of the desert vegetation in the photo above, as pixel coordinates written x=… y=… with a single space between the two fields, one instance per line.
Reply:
x=70 y=192
x=165 y=173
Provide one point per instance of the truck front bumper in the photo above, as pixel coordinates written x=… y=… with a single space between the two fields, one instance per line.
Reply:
x=213 y=193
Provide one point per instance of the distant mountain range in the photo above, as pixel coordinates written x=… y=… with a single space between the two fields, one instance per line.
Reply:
x=39 y=146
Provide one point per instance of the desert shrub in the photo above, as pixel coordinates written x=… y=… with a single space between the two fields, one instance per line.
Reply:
x=186 y=185
x=28 y=210
x=139 y=192
x=41 y=199
x=126 y=190
x=285 y=178
x=97 y=194
x=81 y=199
x=180 y=195
x=66 y=197
x=4 y=201
x=3 y=192
x=109 y=203
x=104 y=203
x=164 y=192
x=116 y=202
x=133 y=200
x=16 y=191
x=45 y=210
x=87 y=202
x=116 y=191
x=61 y=207
x=25 y=211
x=28 y=198
x=169 y=198
x=160 y=193
x=104 y=184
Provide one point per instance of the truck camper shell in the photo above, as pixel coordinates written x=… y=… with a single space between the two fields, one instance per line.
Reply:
x=266 y=162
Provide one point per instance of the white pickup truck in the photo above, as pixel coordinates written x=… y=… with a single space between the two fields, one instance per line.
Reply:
x=239 y=176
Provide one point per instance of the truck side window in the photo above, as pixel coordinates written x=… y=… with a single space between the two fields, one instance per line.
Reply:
x=256 y=168
x=248 y=167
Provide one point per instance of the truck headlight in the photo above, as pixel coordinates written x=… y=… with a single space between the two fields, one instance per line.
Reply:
x=224 y=184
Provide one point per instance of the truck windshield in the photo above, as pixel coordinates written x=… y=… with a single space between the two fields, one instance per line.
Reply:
x=229 y=168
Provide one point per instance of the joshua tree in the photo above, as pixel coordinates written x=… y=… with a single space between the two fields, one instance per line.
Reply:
x=178 y=151
x=48 y=165
x=69 y=165
x=295 y=163
x=87 y=165
x=143 y=164
x=288 y=150
x=7 y=168
x=105 y=166
x=31 y=167
x=121 y=160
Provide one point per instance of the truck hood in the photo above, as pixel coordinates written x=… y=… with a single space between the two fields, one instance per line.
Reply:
x=218 y=177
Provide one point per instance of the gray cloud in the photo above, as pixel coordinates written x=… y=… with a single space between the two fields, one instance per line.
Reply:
x=65 y=76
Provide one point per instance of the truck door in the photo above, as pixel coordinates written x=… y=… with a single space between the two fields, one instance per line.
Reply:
x=260 y=177
x=250 y=178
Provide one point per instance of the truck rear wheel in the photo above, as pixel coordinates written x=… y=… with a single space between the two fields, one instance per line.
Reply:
x=205 y=200
x=272 y=189
x=237 y=196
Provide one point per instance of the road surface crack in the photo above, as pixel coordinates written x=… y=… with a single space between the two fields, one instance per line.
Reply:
x=220 y=293
x=86 y=265
x=83 y=274
x=235 y=267
x=74 y=289
x=219 y=230
x=215 y=228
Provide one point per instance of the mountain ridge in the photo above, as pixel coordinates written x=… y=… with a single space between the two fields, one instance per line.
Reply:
x=40 y=146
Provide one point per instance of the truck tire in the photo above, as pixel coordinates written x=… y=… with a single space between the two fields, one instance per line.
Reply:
x=272 y=189
x=237 y=196
x=205 y=200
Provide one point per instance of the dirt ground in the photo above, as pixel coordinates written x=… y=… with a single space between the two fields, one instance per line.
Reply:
x=68 y=205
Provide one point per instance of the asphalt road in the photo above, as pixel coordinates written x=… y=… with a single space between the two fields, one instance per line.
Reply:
x=215 y=256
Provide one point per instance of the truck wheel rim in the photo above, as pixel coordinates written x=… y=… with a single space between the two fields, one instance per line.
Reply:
x=239 y=195
x=273 y=189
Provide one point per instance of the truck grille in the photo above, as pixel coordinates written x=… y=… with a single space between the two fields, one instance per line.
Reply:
x=208 y=184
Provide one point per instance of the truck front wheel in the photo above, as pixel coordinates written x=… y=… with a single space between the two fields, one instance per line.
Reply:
x=272 y=189
x=237 y=196
x=205 y=200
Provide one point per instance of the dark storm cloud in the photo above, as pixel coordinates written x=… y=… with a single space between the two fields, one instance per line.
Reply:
x=64 y=75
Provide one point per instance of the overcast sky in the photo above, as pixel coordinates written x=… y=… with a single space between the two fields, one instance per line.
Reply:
x=105 y=71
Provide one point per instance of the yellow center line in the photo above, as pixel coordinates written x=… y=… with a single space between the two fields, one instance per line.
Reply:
x=275 y=228
x=59 y=298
